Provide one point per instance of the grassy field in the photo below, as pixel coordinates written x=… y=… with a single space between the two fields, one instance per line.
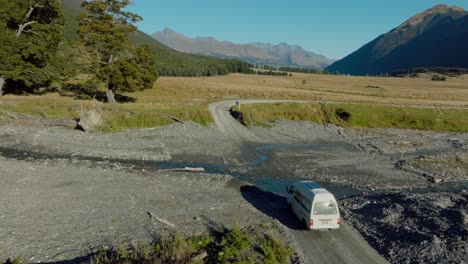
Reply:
x=188 y=98
x=360 y=115
x=374 y=90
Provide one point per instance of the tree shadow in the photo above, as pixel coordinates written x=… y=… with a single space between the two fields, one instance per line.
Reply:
x=76 y=91
x=82 y=92
x=18 y=88
x=271 y=204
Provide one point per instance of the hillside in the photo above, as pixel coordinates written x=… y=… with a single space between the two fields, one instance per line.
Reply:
x=437 y=37
x=169 y=62
x=283 y=54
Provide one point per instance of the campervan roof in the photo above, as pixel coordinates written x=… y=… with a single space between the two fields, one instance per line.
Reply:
x=320 y=191
x=312 y=185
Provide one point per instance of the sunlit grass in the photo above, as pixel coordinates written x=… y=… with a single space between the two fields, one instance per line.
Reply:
x=360 y=115
x=188 y=99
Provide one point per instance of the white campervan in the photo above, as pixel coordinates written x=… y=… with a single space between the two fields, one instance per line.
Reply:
x=315 y=207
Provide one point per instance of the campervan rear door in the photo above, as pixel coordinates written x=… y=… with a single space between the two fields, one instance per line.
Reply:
x=325 y=214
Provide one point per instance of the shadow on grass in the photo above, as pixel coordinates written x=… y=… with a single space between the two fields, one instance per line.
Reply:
x=271 y=204
x=19 y=88
x=86 y=93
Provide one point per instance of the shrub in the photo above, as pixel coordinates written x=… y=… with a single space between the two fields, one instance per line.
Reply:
x=343 y=114
x=275 y=251
x=437 y=77
x=233 y=244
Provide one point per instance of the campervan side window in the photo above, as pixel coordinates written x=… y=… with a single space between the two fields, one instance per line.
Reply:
x=306 y=204
x=325 y=208
x=297 y=196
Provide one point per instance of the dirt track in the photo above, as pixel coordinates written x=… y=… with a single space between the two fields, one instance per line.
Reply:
x=340 y=246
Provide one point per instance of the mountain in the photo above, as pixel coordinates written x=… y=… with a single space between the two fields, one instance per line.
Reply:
x=437 y=37
x=169 y=62
x=256 y=53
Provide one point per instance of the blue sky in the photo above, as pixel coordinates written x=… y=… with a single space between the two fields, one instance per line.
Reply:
x=331 y=27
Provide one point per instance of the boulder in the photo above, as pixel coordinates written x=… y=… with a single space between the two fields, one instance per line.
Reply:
x=90 y=119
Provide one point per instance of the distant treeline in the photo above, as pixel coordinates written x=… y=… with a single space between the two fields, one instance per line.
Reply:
x=302 y=70
x=199 y=68
x=265 y=67
x=272 y=73
x=285 y=69
x=440 y=70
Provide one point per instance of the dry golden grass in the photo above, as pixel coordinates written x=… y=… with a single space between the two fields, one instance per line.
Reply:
x=380 y=90
x=188 y=98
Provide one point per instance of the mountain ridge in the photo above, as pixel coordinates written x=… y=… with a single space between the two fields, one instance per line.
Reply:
x=435 y=37
x=281 y=54
x=169 y=62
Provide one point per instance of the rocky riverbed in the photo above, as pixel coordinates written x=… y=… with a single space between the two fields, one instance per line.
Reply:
x=66 y=192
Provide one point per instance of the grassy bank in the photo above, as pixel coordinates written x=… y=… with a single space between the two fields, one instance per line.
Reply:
x=188 y=99
x=138 y=114
x=359 y=115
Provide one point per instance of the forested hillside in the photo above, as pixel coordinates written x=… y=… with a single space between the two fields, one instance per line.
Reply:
x=169 y=62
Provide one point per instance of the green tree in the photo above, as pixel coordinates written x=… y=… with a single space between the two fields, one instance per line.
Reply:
x=104 y=27
x=30 y=33
x=134 y=73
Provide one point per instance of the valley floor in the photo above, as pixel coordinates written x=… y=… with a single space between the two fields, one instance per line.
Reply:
x=65 y=193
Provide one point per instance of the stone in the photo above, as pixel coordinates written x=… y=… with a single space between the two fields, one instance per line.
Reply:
x=90 y=119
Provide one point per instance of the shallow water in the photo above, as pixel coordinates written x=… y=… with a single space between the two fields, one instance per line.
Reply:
x=276 y=184
x=262 y=155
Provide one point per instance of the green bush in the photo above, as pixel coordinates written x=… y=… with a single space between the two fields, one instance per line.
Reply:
x=236 y=246
x=233 y=244
x=437 y=77
x=275 y=252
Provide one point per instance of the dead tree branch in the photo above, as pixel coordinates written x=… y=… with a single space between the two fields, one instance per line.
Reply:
x=21 y=27
x=31 y=9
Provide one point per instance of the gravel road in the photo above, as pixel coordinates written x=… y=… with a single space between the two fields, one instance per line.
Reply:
x=341 y=246
x=65 y=192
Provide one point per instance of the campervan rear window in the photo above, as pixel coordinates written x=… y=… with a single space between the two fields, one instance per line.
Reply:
x=325 y=208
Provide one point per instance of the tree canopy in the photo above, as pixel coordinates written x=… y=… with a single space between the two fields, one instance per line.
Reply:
x=104 y=27
x=30 y=33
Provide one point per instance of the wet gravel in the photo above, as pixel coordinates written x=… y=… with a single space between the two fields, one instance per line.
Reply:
x=64 y=192
x=427 y=227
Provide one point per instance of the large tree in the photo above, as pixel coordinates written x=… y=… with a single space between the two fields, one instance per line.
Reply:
x=104 y=26
x=30 y=33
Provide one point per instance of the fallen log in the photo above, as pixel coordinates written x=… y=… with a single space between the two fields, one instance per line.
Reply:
x=189 y=169
x=173 y=117
x=163 y=221
x=200 y=257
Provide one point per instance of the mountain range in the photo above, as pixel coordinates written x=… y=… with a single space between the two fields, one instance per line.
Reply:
x=437 y=37
x=281 y=54
x=169 y=62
